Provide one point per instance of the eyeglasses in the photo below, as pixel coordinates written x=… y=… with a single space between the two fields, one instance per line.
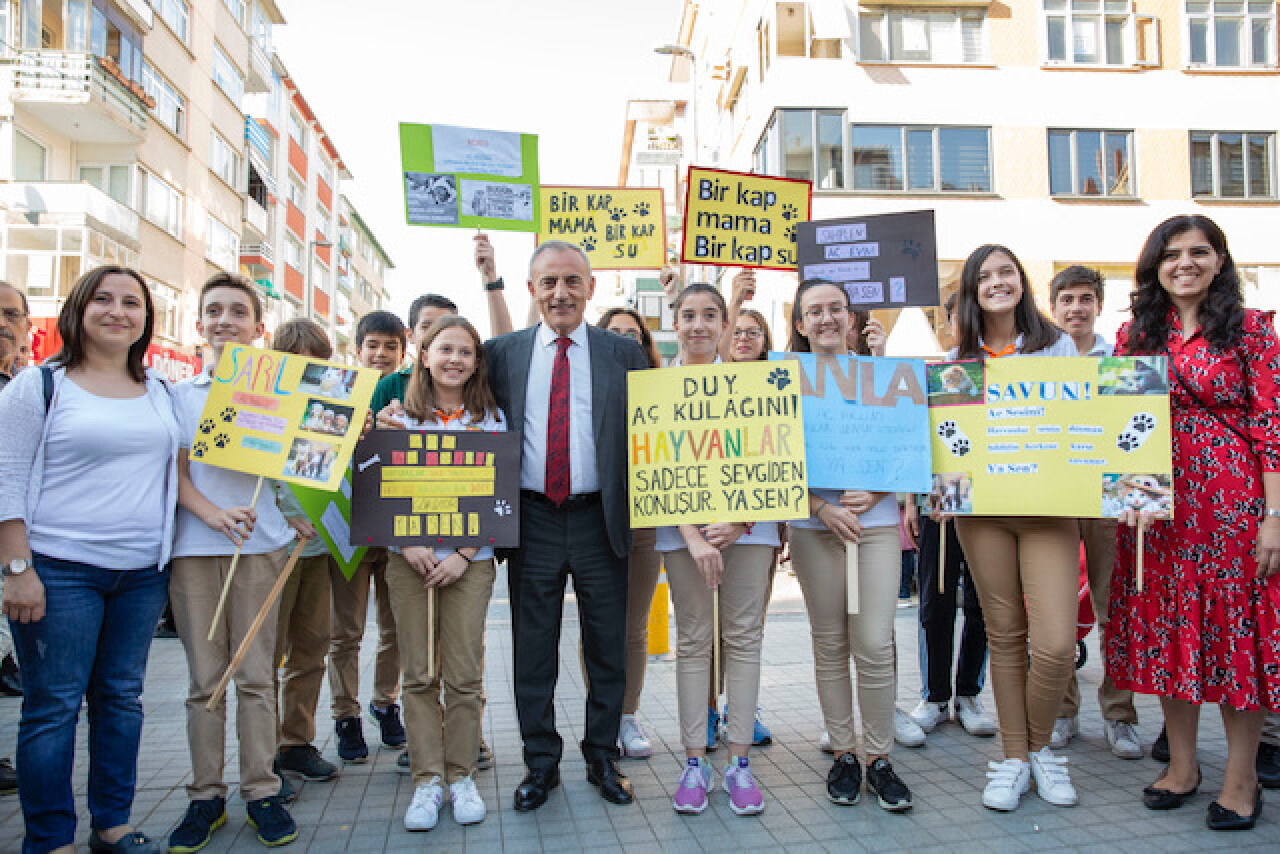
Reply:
x=750 y=334
x=13 y=315
x=816 y=313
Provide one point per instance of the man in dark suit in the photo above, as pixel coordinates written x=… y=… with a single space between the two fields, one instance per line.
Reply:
x=563 y=386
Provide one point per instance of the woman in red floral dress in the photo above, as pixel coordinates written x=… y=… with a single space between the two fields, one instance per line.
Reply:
x=1206 y=626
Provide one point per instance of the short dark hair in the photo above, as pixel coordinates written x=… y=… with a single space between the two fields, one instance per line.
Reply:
x=1075 y=276
x=236 y=282
x=380 y=323
x=429 y=301
x=26 y=308
x=302 y=335
x=71 y=321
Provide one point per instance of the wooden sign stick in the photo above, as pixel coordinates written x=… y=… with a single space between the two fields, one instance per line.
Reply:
x=851 y=578
x=231 y=573
x=715 y=636
x=431 y=632
x=942 y=556
x=256 y=626
x=1142 y=530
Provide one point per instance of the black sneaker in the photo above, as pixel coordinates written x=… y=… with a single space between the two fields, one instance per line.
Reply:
x=1268 y=766
x=351 y=746
x=306 y=760
x=1160 y=748
x=388 y=720
x=8 y=777
x=288 y=792
x=272 y=821
x=893 y=793
x=402 y=761
x=844 y=780
x=197 y=826
x=484 y=761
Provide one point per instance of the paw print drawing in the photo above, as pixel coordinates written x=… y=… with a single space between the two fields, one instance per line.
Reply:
x=954 y=438
x=1136 y=432
x=221 y=440
x=501 y=507
x=589 y=243
x=199 y=449
x=960 y=447
x=616 y=214
x=912 y=248
x=641 y=209
x=790 y=233
x=207 y=425
x=789 y=212
x=947 y=430
x=778 y=378
x=228 y=414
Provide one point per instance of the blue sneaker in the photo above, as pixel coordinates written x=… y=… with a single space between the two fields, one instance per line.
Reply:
x=760 y=734
x=713 y=726
x=388 y=721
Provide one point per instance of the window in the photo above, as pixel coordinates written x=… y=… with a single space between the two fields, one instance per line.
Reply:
x=236 y=8
x=1233 y=165
x=1232 y=33
x=951 y=36
x=29 y=158
x=807 y=145
x=167 y=301
x=224 y=160
x=297 y=131
x=110 y=178
x=924 y=159
x=171 y=107
x=227 y=77
x=223 y=245
x=177 y=14
x=1090 y=163
x=1089 y=32
x=297 y=193
x=322 y=220
x=160 y=203
x=814 y=29
x=292 y=252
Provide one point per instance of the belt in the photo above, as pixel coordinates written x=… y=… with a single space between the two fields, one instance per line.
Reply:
x=573 y=502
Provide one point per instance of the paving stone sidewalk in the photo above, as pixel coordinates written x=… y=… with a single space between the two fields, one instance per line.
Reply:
x=362 y=811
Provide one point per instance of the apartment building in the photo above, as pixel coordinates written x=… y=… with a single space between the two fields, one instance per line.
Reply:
x=362 y=271
x=1065 y=129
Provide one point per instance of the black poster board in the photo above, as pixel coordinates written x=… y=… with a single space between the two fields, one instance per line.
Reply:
x=882 y=260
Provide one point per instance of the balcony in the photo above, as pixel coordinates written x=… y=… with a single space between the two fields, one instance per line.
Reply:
x=76 y=95
x=71 y=203
x=259 y=76
x=259 y=257
x=257 y=221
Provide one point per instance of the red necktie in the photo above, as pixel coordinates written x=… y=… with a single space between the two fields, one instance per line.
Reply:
x=557 y=486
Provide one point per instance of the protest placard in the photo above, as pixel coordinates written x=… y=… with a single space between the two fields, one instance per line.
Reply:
x=716 y=443
x=283 y=416
x=866 y=422
x=620 y=228
x=437 y=488
x=882 y=261
x=469 y=177
x=1051 y=437
x=733 y=219
x=330 y=514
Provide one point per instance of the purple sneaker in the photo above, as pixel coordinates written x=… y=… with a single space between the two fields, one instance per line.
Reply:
x=691 y=793
x=744 y=794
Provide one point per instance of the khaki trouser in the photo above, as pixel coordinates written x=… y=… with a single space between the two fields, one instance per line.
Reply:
x=644 y=567
x=818 y=557
x=443 y=742
x=302 y=637
x=1099 y=536
x=194 y=587
x=350 y=611
x=1026 y=570
x=743 y=590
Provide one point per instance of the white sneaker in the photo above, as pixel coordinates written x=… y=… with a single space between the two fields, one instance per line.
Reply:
x=1064 y=729
x=973 y=717
x=1052 y=782
x=424 y=812
x=824 y=742
x=468 y=806
x=1007 y=782
x=906 y=731
x=928 y=715
x=1123 y=738
x=635 y=744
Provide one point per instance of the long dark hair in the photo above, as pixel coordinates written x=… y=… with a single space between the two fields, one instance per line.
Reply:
x=858 y=320
x=477 y=397
x=1221 y=313
x=71 y=322
x=799 y=342
x=766 y=338
x=1037 y=330
x=646 y=337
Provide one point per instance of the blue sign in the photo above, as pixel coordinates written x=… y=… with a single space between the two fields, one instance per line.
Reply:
x=866 y=422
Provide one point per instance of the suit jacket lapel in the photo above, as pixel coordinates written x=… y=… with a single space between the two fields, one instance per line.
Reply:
x=518 y=376
x=600 y=379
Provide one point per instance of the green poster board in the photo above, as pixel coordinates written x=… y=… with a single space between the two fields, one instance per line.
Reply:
x=459 y=177
x=330 y=512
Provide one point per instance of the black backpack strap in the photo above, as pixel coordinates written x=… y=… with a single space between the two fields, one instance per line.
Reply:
x=46 y=375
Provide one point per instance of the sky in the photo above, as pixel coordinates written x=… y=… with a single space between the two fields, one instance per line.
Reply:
x=563 y=69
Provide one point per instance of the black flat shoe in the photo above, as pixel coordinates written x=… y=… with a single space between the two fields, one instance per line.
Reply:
x=535 y=788
x=1221 y=818
x=1166 y=799
x=613 y=784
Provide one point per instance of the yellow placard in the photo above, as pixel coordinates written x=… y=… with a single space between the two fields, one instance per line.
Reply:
x=283 y=416
x=733 y=219
x=620 y=228
x=716 y=443
x=1051 y=437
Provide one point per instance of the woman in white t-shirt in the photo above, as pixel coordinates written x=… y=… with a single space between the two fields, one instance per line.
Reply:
x=88 y=488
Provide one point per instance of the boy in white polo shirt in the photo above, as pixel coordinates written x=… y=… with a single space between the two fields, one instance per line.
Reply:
x=213 y=518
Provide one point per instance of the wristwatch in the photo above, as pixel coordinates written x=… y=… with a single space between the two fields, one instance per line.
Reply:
x=17 y=566
x=495 y=286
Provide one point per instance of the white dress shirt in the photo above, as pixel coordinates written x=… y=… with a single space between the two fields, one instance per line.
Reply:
x=583 y=476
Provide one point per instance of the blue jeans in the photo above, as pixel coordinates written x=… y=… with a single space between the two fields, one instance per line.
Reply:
x=92 y=644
